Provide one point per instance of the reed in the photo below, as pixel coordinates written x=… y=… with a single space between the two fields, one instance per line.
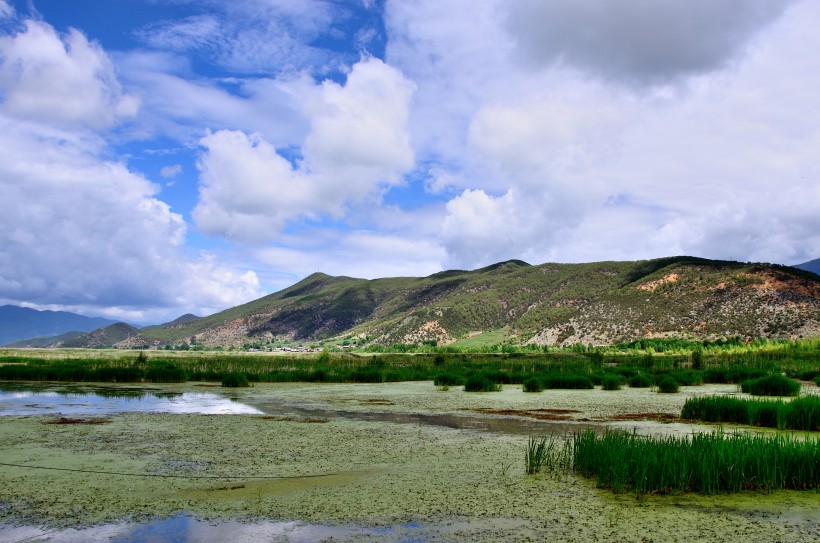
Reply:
x=546 y=453
x=611 y=382
x=798 y=414
x=705 y=463
x=668 y=385
x=771 y=385
x=479 y=382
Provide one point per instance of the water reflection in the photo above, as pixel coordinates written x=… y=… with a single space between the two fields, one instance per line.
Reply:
x=184 y=528
x=16 y=399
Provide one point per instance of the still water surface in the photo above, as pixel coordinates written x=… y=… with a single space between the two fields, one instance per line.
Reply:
x=99 y=401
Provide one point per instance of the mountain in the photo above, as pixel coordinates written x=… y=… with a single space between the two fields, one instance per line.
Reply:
x=43 y=341
x=18 y=323
x=102 y=337
x=811 y=266
x=552 y=304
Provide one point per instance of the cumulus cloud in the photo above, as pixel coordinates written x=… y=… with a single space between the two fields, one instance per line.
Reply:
x=377 y=254
x=82 y=231
x=357 y=145
x=67 y=81
x=583 y=168
x=481 y=229
x=636 y=41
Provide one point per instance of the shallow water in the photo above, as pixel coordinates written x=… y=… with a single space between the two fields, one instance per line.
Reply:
x=185 y=528
x=486 y=423
x=76 y=400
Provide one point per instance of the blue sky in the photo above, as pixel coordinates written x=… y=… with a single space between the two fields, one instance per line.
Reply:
x=164 y=157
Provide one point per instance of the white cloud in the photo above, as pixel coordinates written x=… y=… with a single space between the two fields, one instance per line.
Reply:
x=357 y=145
x=253 y=37
x=82 y=232
x=5 y=9
x=170 y=172
x=68 y=81
x=582 y=168
x=358 y=253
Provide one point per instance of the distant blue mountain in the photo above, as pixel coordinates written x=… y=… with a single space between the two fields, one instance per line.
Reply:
x=18 y=323
x=811 y=265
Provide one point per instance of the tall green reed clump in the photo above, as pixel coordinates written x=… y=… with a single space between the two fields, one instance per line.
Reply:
x=547 y=453
x=771 y=385
x=479 y=382
x=706 y=463
x=798 y=414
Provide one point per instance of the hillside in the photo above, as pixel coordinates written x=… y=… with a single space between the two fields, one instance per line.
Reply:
x=20 y=323
x=553 y=304
x=103 y=337
x=810 y=266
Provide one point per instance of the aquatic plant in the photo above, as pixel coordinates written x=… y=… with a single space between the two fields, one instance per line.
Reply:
x=611 y=382
x=478 y=382
x=798 y=414
x=668 y=385
x=566 y=381
x=706 y=463
x=532 y=384
x=640 y=380
x=235 y=380
x=546 y=453
x=771 y=385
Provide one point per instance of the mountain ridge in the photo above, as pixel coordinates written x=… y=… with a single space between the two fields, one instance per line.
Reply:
x=812 y=266
x=22 y=323
x=551 y=304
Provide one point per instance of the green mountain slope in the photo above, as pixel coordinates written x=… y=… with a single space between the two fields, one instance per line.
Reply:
x=103 y=337
x=556 y=304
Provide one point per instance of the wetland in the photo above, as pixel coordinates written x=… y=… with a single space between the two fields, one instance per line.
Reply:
x=352 y=462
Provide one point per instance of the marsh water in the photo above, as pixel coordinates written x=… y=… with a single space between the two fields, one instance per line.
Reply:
x=60 y=400
x=89 y=400
x=80 y=400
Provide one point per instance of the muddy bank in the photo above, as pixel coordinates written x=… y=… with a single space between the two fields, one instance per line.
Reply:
x=362 y=473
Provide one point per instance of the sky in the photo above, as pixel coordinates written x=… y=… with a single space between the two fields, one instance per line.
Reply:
x=161 y=157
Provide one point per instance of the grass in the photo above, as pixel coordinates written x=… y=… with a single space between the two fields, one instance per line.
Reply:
x=706 y=463
x=235 y=380
x=798 y=414
x=577 y=368
x=567 y=381
x=771 y=385
x=668 y=385
x=611 y=382
x=532 y=384
x=640 y=380
x=481 y=383
x=545 y=453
